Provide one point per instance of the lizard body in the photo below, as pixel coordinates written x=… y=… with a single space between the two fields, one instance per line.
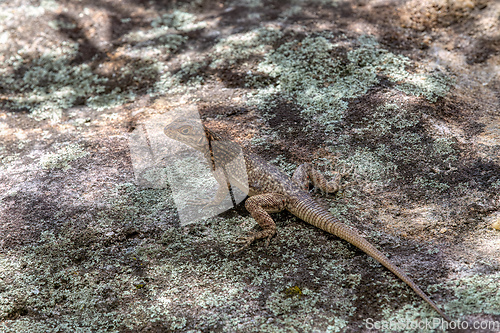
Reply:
x=270 y=190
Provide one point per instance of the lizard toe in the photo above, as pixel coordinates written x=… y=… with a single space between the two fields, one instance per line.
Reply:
x=247 y=241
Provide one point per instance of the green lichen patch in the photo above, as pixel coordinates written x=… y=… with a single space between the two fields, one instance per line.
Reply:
x=139 y=209
x=157 y=40
x=475 y=294
x=82 y=278
x=59 y=24
x=47 y=80
x=215 y=303
x=321 y=77
x=130 y=269
x=45 y=282
x=164 y=36
x=119 y=262
x=393 y=144
x=48 y=84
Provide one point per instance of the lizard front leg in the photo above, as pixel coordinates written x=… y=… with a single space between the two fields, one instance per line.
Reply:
x=306 y=174
x=259 y=207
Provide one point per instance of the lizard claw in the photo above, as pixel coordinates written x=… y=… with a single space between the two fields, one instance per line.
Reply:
x=346 y=171
x=268 y=240
x=248 y=240
x=243 y=239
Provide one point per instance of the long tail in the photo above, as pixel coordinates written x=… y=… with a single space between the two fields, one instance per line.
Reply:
x=309 y=211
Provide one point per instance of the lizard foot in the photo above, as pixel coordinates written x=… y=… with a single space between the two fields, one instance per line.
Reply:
x=347 y=172
x=341 y=175
x=248 y=240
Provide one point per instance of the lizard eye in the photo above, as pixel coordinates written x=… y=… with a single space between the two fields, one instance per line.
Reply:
x=185 y=130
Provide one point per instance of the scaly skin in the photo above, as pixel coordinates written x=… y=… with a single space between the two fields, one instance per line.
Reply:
x=270 y=190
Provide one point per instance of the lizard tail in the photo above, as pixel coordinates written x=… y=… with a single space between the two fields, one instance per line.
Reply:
x=357 y=240
x=311 y=212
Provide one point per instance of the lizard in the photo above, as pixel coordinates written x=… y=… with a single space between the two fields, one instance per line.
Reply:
x=270 y=190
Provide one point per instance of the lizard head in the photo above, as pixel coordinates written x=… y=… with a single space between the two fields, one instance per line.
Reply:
x=188 y=131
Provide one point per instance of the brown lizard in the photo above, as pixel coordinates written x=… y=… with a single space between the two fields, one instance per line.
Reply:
x=270 y=190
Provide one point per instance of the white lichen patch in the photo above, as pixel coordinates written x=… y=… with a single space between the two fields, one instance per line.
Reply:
x=44 y=280
x=430 y=86
x=178 y=20
x=240 y=47
x=6 y=159
x=248 y=3
x=61 y=158
x=61 y=24
x=161 y=37
x=164 y=35
x=303 y=306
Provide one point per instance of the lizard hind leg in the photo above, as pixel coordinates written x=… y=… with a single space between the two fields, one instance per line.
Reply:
x=259 y=207
x=301 y=176
x=306 y=174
